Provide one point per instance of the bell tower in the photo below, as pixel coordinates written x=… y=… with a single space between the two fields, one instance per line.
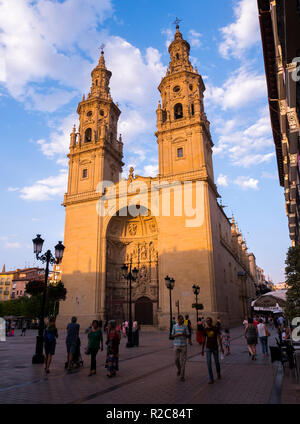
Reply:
x=95 y=151
x=183 y=132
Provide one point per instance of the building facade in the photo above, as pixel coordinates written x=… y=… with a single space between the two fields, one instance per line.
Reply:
x=168 y=225
x=6 y=279
x=280 y=30
x=22 y=277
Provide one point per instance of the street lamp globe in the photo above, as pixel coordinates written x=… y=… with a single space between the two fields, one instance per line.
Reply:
x=172 y=283
x=37 y=244
x=135 y=272
x=167 y=281
x=124 y=269
x=59 y=251
x=196 y=289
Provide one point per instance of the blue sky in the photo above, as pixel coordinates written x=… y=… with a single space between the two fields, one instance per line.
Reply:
x=47 y=51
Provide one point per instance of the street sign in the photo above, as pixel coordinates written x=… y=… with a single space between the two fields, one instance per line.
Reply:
x=198 y=306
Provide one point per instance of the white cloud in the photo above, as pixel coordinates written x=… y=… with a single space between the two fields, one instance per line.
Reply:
x=247 y=183
x=269 y=175
x=151 y=170
x=245 y=145
x=242 y=88
x=195 y=38
x=46 y=189
x=243 y=33
x=12 y=245
x=41 y=41
x=12 y=189
x=222 y=180
x=169 y=34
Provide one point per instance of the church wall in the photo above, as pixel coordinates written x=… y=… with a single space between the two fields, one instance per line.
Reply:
x=79 y=264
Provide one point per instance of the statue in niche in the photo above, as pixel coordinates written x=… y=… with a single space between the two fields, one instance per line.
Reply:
x=144 y=252
x=132 y=229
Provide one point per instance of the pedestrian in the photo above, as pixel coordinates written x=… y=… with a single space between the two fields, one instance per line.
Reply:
x=212 y=342
x=180 y=334
x=50 y=336
x=245 y=323
x=113 y=341
x=219 y=324
x=126 y=327
x=188 y=323
x=24 y=328
x=173 y=321
x=135 y=333
x=12 y=328
x=72 y=340
x=200 y=332
x=263 y=334
x=251 y=337
x=226 y=341
x=94 y=344
x=255 y=321
x=280 y=321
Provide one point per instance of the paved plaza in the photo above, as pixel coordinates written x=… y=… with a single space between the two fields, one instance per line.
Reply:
x=147 y=375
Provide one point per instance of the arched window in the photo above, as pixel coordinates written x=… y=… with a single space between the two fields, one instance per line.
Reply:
x=177 y=56
x=88 y=135
x=178 y=111
x=192 y=109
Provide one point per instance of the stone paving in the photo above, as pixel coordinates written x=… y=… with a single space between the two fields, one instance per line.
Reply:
x=147 y=375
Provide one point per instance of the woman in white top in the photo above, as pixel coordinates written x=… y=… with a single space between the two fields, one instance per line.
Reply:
x=263 y=337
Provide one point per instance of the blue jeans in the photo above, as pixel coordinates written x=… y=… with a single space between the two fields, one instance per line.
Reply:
x=214 y=352
x=264 y=344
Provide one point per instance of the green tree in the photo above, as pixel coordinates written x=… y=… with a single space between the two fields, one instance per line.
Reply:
x=292 y=274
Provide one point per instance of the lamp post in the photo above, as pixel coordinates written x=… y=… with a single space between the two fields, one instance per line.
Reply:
x=170 y=282
x=196 y=290
x=130 y=276
x=48 y=258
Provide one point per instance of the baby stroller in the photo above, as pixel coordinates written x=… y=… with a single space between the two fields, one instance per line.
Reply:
x=77 y=360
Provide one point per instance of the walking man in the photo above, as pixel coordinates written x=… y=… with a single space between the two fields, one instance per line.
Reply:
x=212 y=337
x=180 y=334
x=263 y=333
x=24 y=328
x=72 y=340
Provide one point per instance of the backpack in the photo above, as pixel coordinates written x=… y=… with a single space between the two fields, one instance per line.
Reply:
x=49 y=336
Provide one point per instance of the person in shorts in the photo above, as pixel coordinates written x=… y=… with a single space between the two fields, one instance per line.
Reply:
x=72 y=339
x=50 y=336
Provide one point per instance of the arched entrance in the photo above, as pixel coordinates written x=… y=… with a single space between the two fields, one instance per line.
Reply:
x=131 y=240
x=144 y=311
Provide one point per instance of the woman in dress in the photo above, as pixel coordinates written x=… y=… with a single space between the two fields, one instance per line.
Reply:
x=200 y=332
x=113 y=341
x=50 y=336
x=251 y=337
x=95 y=340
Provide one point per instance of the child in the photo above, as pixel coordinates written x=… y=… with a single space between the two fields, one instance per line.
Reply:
x=226 y=341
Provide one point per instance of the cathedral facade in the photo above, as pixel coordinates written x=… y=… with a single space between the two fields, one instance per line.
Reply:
x=168 y=225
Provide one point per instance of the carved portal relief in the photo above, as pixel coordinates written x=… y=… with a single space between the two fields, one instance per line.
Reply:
x=130 y=240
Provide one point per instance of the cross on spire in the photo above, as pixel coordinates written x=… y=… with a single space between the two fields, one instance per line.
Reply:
x=102 y=47
x=177 y=22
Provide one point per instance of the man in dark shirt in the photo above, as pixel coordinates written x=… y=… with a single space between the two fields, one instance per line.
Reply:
x=212 y=336
x=72 y=340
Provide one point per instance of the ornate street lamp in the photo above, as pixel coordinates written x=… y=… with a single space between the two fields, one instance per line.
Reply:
x=196 y=290
x=47 y=258
x=170 y=282
x=130 y=276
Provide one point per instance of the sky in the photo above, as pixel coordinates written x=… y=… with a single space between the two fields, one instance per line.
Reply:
x=48 y=49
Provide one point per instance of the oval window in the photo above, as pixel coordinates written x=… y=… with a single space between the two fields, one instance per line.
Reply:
x=102 y=112
x=191 y=87
x=90 y=113
x=176 y=89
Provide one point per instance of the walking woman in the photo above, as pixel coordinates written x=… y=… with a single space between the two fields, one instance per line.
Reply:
x=113 y=341
x=95 y=340
x=251 y=336
x=50 y=337
x=200 y=332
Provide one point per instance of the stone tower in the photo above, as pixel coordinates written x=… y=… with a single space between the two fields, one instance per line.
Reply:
x=95 y=151
x=183 y=136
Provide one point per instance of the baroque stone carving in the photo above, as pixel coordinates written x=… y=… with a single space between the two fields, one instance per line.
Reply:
x=132 y=229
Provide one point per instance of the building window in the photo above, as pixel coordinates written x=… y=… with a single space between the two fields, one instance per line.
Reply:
x=84 y=173
x=90 y=113
x=180 y=152
x=176 y=89
x=101 y=112
x=177 y=56
x=193 y=109
x=178 y=111
x=88 y=135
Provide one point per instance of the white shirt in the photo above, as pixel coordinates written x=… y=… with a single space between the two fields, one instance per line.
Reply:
x=261 y=330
